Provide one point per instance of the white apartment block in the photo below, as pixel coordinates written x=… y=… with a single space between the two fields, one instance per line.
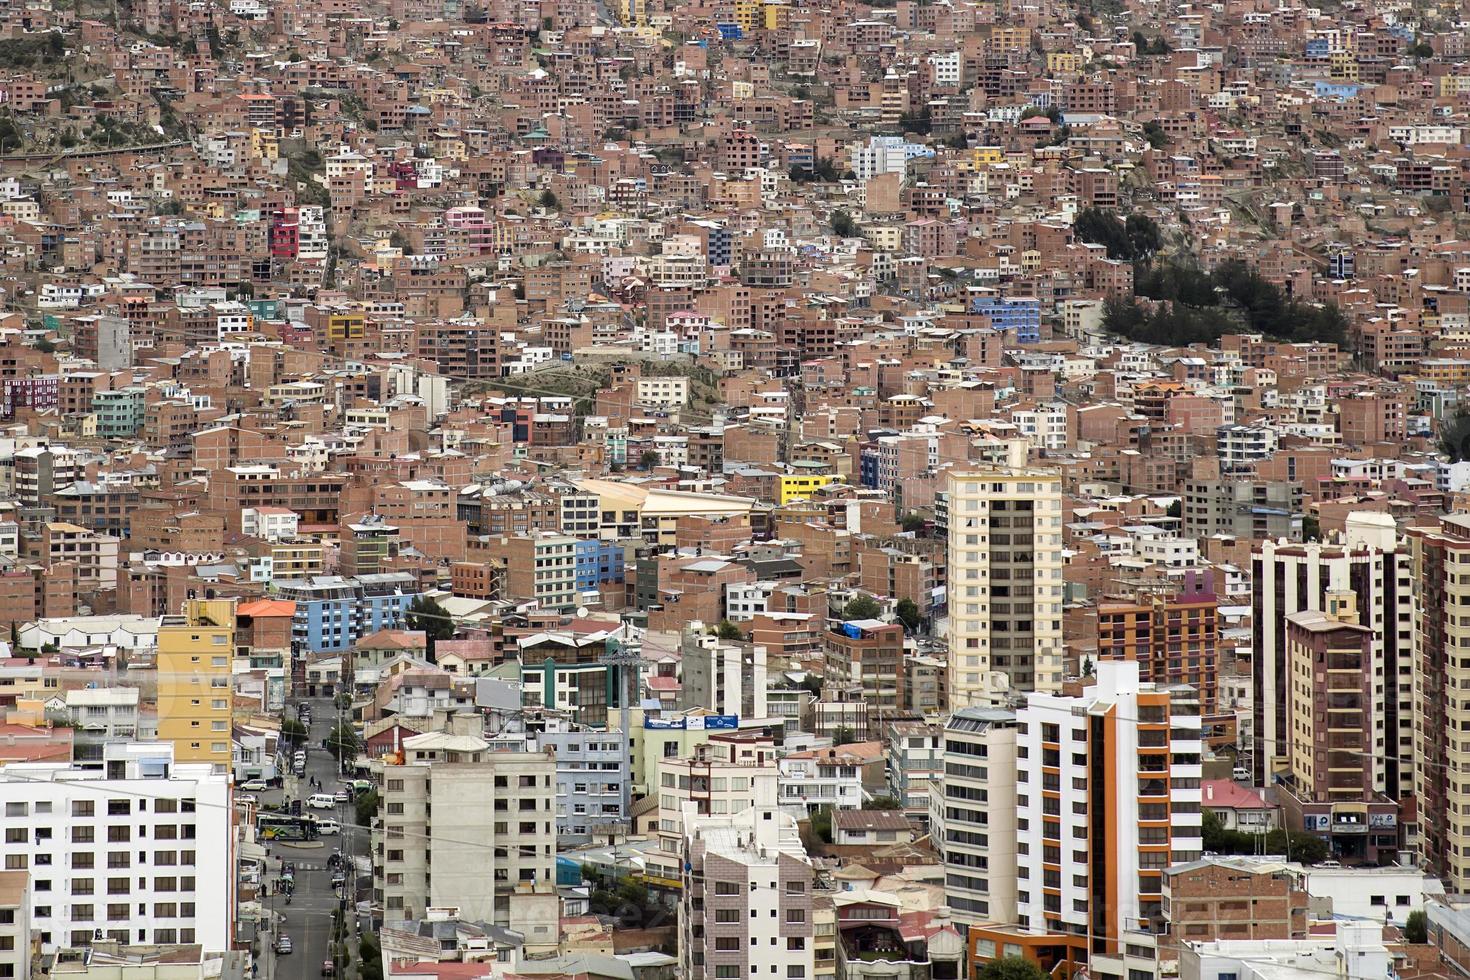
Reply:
x=746 y=906
x=461 y=825
x=821 y=778
x=667 y=392
x=719 y=779
x=1005 y=584
x=141 y=851
x=1109 y=780
x=972 y=815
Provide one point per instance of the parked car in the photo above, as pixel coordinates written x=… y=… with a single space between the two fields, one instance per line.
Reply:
x=342 y=796
x=329 y=969
x=283 y=945
x=254 y=785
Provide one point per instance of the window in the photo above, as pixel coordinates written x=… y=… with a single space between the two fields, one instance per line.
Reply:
x=726 y=888
x=727 y=915
x=82 y=808
x=796 y=915
x=83 y=835
x=16 y=809
x=727 y=944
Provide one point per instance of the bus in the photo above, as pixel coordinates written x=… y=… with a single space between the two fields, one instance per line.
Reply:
x=284 y=826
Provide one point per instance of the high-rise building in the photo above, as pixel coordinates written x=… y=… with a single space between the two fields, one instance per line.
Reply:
x=15 y=924
x=718 y=778
x=1441 y=576
x=972 y=815
x=1107 y=797
x=143 y=853
x=746 y=906
x=195 y=654
x=1172 y=636
x=493 y=827
x=1371 y=563
x=1005 y=584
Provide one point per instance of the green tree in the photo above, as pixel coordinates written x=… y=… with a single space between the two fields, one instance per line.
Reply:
x=343 y=742
x=1421 y=50
x=428 y=617
x=842 y=224
x=883 y=803
x=1010 y=968
x=365 y=807
x=1154 y=133
x=549 y=200
x=821 y=823
x=907 y=612
x=293 y=730
x=648 y=459
x=1416 y=928
x=1176 y=509
x=728 y=631
x=913 y=522
x=844 y=736
x=862 y=607
x=1087 y=668
x=1311 y=528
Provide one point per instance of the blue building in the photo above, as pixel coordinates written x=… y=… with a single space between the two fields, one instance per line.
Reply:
x=598 y=561
x=868 y=468
x=333 y=612
x=1021 y=314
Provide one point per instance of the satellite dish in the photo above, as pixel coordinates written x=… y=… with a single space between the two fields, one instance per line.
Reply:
x=581 y=612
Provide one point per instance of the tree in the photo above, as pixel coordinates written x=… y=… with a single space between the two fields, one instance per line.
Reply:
x=293 y=730
x=1416 y=928
x=1421 y=50
x=1010 y=968
x=844 y=736
x=365 y=807
x=371 y=955
x=648 y=459
x=549 y=200
x=1176 y=509
x=1154 y=133
x=428 y=617
x=821 y=823
x=862 y=607
x=1311 y=528
x=883 y=803
x=1087 y=668
x=343 y=742
x=913 y=522
x=842 y=224
x=728 y=631
x=907 y=612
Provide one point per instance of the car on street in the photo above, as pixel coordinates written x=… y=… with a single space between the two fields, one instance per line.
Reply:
x=321 y=801
x=328 y=827
x=254 y=785
x=342 y=796
x=329 y=969
x=283 y=945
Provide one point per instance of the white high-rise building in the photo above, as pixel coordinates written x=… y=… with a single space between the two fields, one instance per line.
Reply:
x=141 y=851
x=746 y=908
x=1005 y=584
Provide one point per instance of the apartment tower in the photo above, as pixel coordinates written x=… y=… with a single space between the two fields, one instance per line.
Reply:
x=195 y=655
x=1005 y=584
x=1371 y=563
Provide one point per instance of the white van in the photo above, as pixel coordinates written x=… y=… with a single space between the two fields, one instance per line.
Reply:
x=328 y=827
x=321 y=801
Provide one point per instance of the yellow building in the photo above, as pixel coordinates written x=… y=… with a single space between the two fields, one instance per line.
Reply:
x=801 y=487
x=1065 y=62
x=195 y=651
x=297 y=559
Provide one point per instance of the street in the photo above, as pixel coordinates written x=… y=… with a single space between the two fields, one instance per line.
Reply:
x=308 y=919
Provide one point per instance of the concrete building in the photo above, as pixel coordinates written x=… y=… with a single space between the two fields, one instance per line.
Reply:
x=1440 y=556
x=868 y=656
x=1370 y=563
x=822 y=778
x=15 y=924
x=491 y=816
x=915 y=759
x=718 y=778
x=143 y=852
x=1005 y=584
x=746 y=906
x=1107 y=797
x=592 y=777
x=972 y=815
x=1243 y=509
x=1355 y=952
x=728 y=678
x=195 y=653
x=99 y=715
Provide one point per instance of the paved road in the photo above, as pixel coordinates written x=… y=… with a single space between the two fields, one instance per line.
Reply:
x=308 y=919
